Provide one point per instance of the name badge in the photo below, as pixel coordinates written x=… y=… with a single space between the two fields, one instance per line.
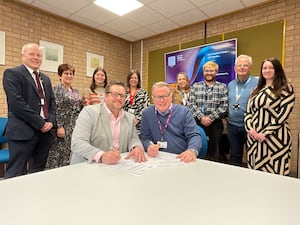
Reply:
x=131 y=111
x=162 y=144
x=42 y=101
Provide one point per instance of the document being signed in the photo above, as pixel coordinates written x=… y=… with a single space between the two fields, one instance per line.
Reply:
x=162 y=160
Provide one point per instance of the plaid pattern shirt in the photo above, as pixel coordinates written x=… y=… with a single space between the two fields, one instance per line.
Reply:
x=209 y=101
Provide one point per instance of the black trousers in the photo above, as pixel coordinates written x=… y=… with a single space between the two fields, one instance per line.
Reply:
x=214 y=133
x=35 y=150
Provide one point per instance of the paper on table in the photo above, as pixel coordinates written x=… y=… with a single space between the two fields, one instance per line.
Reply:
x=133 y=167
x=167 y=160
x=162 y=160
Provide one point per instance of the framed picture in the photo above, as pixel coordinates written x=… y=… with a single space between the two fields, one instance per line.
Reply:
x=52 y=56
x=92 y=62
x=2 y=48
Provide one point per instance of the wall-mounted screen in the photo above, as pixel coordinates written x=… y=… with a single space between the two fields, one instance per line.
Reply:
x=191 y=61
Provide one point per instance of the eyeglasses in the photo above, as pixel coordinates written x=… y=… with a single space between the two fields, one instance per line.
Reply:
x=116 y=95
x=161 y=97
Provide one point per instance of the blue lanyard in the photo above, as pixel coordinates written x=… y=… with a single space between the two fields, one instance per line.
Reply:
x=237 y=93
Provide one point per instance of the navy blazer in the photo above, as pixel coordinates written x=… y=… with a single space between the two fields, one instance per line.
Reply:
x=24 y=103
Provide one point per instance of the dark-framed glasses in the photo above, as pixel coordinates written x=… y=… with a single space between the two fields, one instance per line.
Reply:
x=161 y=97
x=117 y=95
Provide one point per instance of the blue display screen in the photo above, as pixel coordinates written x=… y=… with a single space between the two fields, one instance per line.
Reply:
x=191 y=61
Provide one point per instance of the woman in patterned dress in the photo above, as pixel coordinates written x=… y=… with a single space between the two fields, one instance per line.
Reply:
x=181 y=95
x=266 y=120
x=136 y=97
x=95 y=94
x=68 y=105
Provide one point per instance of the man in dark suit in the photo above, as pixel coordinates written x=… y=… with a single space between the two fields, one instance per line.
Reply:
x=31 y=113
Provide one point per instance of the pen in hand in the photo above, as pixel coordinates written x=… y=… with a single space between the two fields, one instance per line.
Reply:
x=153 y=149
x=112 y=156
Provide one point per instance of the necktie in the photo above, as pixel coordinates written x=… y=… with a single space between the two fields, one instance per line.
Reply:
x=41 y=94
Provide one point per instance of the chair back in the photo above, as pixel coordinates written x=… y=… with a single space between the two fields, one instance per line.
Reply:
x=4 y=153
x=203 y=151
x=3 y=123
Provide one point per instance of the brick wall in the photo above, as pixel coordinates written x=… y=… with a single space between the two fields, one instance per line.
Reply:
x=22 y=24
x=261 y=14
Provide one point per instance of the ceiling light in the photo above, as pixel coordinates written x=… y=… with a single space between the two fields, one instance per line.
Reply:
x=120 y=7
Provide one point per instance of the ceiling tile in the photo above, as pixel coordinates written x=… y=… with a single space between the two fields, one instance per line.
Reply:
x=84 y=20
x=123 y=26
x=156 y=16
x=109 y=30
x=171 y=7
x=200 y=3
x=163 y=26
x=96 y=14
x=63 y=8
x=213 y=9
x=189 y=17
x=141 y=33
x=252 y=2
x=144 y=16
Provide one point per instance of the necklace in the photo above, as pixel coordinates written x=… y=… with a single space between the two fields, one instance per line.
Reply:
x=131 y=97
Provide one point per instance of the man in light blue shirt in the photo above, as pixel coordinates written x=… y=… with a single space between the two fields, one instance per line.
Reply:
x=239 y=91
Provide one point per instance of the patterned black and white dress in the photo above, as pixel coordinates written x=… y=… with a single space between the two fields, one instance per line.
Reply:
x=141 y=101
x=68 y=106
x=268 y=114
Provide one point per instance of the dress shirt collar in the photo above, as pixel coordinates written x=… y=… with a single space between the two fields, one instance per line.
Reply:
x=30 y=70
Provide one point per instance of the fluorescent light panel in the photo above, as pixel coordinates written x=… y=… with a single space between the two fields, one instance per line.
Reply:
x=120 y=7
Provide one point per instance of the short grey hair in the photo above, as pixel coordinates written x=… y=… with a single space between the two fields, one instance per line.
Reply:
x=26 y=46
x=160 y=84
x=244 y=56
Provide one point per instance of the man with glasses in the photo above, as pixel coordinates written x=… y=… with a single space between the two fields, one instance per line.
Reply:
x=104 y=131
x=209 y=104
x=169 y=127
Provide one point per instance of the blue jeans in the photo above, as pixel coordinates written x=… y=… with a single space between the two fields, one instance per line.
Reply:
x=237 y=139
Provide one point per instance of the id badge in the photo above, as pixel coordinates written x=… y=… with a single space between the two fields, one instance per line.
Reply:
x=131 y=111
x=42 y=101
x=162 y=144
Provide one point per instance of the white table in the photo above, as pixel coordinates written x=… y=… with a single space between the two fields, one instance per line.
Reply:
x=199 y=193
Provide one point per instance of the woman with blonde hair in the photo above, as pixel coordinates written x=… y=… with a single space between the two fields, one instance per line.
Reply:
x=181 y=94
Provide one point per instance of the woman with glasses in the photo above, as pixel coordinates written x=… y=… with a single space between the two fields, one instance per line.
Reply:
x=95 y=94
x=136 y=97
x=68 y=105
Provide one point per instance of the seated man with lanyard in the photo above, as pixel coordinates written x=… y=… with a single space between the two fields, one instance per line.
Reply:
x=169 y=127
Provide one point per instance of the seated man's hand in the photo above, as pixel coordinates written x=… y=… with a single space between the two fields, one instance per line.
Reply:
x=153 y=150
x=187 y=156
x=138 y=154
x=111 y=157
